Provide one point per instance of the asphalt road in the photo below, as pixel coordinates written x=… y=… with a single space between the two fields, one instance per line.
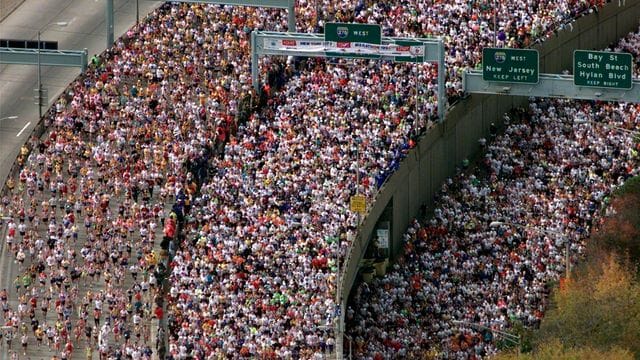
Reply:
x=85 y=28
x=10 y=269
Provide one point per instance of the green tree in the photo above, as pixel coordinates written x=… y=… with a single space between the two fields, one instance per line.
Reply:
x=598 y=308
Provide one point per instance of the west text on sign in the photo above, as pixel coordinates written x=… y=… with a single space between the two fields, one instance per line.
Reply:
x=510 y=65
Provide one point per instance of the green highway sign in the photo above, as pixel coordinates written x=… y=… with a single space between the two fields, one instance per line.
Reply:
x=352 y=40
x=410 y=45
x=510 y=65
x=602 y=69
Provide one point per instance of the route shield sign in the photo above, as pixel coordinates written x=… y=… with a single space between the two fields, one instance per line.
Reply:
x=510 y=65
x=353 y=40
x=602 y=69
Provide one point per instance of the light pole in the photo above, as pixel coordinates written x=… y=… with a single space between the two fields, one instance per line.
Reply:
x=39 y=89
x=317 y=6
x=417 y=95
x=339 y=277
x=39 y=81
x=416 y=55
x=495 y=23
x=339 y=326
x=567 y=249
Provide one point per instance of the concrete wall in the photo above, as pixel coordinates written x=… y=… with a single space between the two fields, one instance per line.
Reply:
x=444 y=147
x=7 y=7
x=592 y=32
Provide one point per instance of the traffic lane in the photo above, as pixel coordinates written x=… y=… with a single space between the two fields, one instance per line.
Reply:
x=17 y=99
x=17 y=82
x=85 y=29
x=32 y=16
x=85 y=22
x=8 y=143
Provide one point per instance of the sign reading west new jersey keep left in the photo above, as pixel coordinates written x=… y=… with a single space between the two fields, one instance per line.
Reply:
x=510 y=65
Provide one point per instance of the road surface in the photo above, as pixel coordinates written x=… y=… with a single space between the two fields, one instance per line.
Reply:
x=84 y=28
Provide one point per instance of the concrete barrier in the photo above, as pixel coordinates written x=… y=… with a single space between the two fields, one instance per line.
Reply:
x=444 y=147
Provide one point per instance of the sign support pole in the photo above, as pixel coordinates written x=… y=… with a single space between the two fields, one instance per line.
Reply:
x=434 y=53
x=291 y=16
x=255 y=79
x=442 y=96
x=417 y=123
x=39 y=80
x=109 y=17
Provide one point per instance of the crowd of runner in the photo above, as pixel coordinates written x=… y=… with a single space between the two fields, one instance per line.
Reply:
x=260 y=266
x=92 y=199
x=128 y=148
x=550 y=174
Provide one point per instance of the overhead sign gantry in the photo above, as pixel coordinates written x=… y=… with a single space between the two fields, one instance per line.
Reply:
x=344 y=43
x=70 y=58
x=598 y=75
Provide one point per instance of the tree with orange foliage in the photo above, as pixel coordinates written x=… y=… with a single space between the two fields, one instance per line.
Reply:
x=596 y=313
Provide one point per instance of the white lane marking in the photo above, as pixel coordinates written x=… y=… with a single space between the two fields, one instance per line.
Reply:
x=24 y=128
